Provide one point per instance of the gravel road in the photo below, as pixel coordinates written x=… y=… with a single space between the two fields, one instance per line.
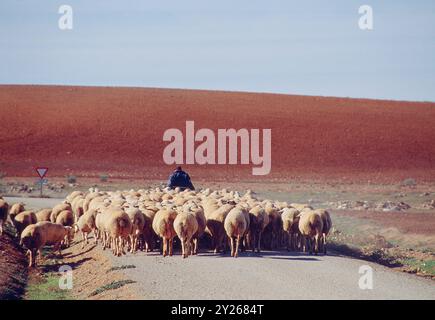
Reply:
x=269 y=275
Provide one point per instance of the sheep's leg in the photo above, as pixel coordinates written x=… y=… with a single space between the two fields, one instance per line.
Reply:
x=83 y=240
x=30 y=254
x=324 y=243
x=122 y=244
x=236 y=254
x=289 y=241
x=183 y=248
x=171 y=242
x=188 y=251
x=165 y=245
x=317 y=240
x=1 y=227
x=296 y=242
x=242 y=243
x=135 y=238
x=213 y=244
x=311 y=244
x=259 y=242
x=195 y=246
x=103 y=241
x=57 y=248
x=232 y=246
x=115 y=246
x=130 y=243
x=305 y=244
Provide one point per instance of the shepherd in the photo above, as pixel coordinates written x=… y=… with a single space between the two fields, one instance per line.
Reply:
x=180 y=179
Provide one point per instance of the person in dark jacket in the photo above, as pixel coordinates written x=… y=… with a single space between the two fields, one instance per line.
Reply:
x=180 y=179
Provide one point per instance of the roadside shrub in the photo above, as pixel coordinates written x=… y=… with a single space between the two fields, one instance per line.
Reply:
x=104 y=177
x=2 y=174
x=71 y=179
x=409 y=182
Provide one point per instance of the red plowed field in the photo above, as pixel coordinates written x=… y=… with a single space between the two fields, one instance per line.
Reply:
x=93 y=130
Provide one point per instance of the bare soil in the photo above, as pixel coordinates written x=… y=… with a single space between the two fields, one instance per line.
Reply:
x=87 y=131
x=407 y=222
x=13 y=265
x=92 y=270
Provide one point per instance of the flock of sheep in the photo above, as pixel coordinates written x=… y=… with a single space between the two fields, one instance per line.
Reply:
x=137 y=220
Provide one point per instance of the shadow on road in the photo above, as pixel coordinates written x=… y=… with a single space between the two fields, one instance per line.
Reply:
x=55 y=267
x=69 y=255
x=265 y=254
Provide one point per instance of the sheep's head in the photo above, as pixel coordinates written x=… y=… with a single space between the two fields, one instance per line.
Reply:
x=69 y=232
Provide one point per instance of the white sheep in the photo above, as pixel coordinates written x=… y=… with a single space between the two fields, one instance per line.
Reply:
x=43 y=215
x=311 y=229
x=185 y=225
x=163 y=226
x=327 y=225
x=290 y=225
x=86 y=224
x=58 y=209
x=236 y=226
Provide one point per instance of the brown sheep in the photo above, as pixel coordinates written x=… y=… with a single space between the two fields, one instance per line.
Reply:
x=163 y=226
x=185 y=225
x=137 y=219
x=148 y=234
x=311 y=229
x=215 y=226
x=200 y=218
x=273 y=229
x=236 y=226
x=258 y=221
x=43 y=215
x=4 y=208
x=35 y=236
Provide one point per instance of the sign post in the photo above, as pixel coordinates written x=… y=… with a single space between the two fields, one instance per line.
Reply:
x=42 y=171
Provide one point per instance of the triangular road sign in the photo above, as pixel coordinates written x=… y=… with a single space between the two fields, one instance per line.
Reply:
x=42 y=171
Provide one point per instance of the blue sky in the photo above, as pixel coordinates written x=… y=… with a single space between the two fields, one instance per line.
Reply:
x=295 y=47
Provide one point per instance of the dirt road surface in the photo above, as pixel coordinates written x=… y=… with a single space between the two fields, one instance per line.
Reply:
x=268 y=275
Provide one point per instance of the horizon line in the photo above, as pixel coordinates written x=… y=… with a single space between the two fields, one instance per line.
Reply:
x=213 y=90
